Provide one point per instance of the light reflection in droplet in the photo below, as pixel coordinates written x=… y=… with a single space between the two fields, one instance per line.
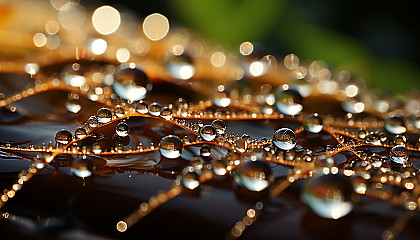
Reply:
x=106 y=20
x=99 y=46
x=155 y=26
x=39 y=39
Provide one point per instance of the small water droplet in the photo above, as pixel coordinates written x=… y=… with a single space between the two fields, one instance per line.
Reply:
x=103 y=115
x=284 y=138
x=96 y=148
x=221 y=96
x=154 y=109
x=289 y=102
x=205 y=151
x=63 y=136
x=399 y=154
x=329 y=196
x=83 y=167
x=362 y=133
x=180 y=66
x=189 y=178
x=219 y=125
x=80 y=133
x=219 y=167
x=208 y=132
x=241 y=145
x=72 y=104
x=39 y=162
x=73 y=75
x=253 y=175
x=166 y=113
x=197 y=163
x=400 y=140
x=395 y=125
x=376 y=160
x=142 y=107
x=119 y=111
x=373 y=138
x=171 y=146
x=92 y=122
x=131 y=83
x=122 y=129
x=313 y=123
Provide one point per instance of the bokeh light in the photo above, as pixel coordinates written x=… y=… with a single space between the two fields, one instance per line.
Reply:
x=106 y=20
x=155 y=26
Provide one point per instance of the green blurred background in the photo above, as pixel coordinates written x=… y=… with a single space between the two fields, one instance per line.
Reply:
x=379 y=43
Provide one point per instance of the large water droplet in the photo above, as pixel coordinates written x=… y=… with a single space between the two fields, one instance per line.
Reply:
x=73 y=75
x=154 y=109
x=219 y=125
x=399 y=154
x=313 y=123
x=104 y=115
x=208 y=132
x=63 y=136
x=253 y=175
x=171 y=146
x=122 y=129
x=83 y=167
x=289 y=102
x=131 y=83
x=189 y=178
x=395 y=125
x=329 y=196
x=284 y=138
x=142 y=107
x=180 y=66
x=221 y=96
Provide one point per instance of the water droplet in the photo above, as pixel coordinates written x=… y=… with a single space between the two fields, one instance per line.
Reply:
x=131 y=83
x=221 y=96
x=197 y=163
x=373 y=138
x=362 y=134
x=154 y=109
x=119 y=111
x=395 y=125
x=72 y=104
x=92 y=122
x=416 y=122
x=39 y=162
x=208 y=132
x=376 y=160
x=219 y=167
x=399 y=154
x=166 y=113
x=63 y=136
x=180 y=66
x=103 y=115
x=400 y=140
x=189 y=178
x=205 y=151
x=219 y=125
x=80 y=133
x=73 y=75
x=284 y=138
x=313 y=123
x=253 y=175
x=302 y=86
x=96 y=148
x=142 y=107
x=289 y=102
x=171 y=146
x=353 y=105
x=329 y=196
x=241 y=145
x=122 y=129
x=83 y=167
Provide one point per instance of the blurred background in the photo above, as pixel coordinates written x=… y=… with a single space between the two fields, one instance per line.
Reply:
x=379 y=43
